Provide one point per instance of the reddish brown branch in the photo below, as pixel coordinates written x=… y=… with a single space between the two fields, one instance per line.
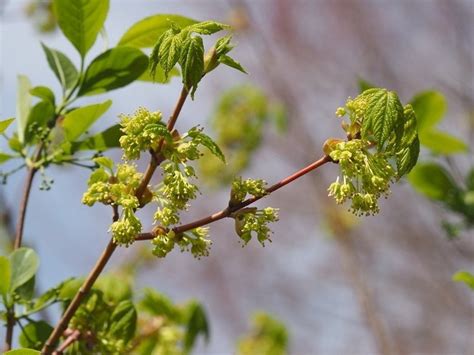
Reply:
x=229 y=210
x=72 y=337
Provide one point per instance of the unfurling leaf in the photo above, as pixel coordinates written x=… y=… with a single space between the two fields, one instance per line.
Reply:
x=383 y=116
x=192 y=62
x=225 y=59
x=207 y=142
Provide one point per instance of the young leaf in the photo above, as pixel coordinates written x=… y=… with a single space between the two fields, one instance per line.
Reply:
x=207 y=142
x=24 y=264
x=225 y=59
x=157 y=304
x=78 y=121
x=105 y=162
x=409 y=143
x=466 y=277
x=35 y=334
x=430 y=107
x=364 y=85
x=62 y=67
x=442 y=143
x=4 y=124
x=44 y=93
x=81 y=21
x=158 y=75
x=168 y=52
x=5 y=157
x=144 y=33
x=23 y=103
x=124 y=321
x=113 y=69
x=5 y=275
x=433 y=181
x=26 y=291
x=383 y=116
x=101 y=141
x=192 y=62
x=196 y=324
x=207 y=27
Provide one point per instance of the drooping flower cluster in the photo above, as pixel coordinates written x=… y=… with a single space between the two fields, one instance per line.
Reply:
x=118 y=189
x=365 y=176
x=196 y=241
x=142 y=131
x=249 y=221
x=253 y=221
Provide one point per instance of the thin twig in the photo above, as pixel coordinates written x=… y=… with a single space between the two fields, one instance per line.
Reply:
x=227 y=212
x=71 y=339
x=25 y=198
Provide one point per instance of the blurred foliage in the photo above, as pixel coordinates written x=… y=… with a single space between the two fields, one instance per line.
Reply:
x=42 y=14
x=239 y=122
x=267 y=336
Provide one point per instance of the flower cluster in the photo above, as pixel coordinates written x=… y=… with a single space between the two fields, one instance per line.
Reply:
x=365 y=176
x=241 y=188
x=174 y=193
x=118 y=189
x=142 y=131
x=196 y=241
x=251 y=221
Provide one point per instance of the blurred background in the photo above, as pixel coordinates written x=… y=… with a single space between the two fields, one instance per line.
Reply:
x=341 y=285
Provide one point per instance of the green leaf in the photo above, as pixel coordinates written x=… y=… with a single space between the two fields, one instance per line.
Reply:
x=78 y=121
x=5 y=275
x=157 y=304
x=166 y=51
x=466 y=277
x=69 y=288
x=145 y=33
x=35 y=334
x=196 y=324
x=22 y=352
x=225 y=59
x=40 y=115
x=62 y=67
x=470 y=180
x=44 y=93
x=5 y=157
x=430 y=107
x=409 y=143
x=102 y=141
x=207 y=27
x=27 y=290
x=124 y=321
x=5 y=124
x=207 y=142
x=105 y=162
x=23 y=103
x=433 y=181
x=24 y=264
x=192 y=62
x=442 y=143
x=81 y=21
x=113 y=69
x=383 y=116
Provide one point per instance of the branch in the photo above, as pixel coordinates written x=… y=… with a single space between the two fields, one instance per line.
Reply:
x=24 y=201
x=111 y=246
x=72 y=337
x=227 y=212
